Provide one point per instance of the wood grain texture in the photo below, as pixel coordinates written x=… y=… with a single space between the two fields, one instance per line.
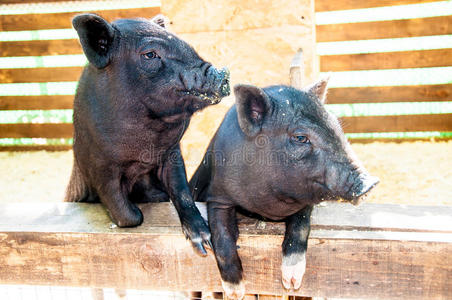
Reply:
x=414 y=93
x=31 y=130
x=36 y=102
x=40 y=74
x=64 y=20
x=387 y=60
x=403 y=123
x=40 y=48
x=328 y=5
x=384 y=29
x=73 y=244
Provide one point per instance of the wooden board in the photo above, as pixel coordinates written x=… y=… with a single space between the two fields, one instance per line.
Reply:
x=384 y=29
x=33 y=1
x=40 y=74
x=64 y=20
x=404 y=123
x=414 y=93
x=435 y=139
x=31 y=130
x=433 y=122
x=26 y=148
x=357 y=252
x=387 y=60
x=40 y=48
x=328 y=5
x=36 y=102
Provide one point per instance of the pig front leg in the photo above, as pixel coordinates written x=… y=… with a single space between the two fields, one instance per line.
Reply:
x=294 y=248
x=112 y=194
x=172 y=175
x=223 y=224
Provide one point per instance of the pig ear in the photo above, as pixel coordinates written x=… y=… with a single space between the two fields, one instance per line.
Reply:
x=161 y=20
x=253 y=105
x=96 y=36
x=319 y=89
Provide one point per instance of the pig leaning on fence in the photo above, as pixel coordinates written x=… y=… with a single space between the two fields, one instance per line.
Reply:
x=133 y=103
x=276 y=154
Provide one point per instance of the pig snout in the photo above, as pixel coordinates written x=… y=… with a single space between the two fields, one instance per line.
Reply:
x=220 y=80
x=213 y=86
x=363 y=184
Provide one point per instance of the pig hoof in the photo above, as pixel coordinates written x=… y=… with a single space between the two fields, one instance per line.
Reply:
x=234 y=291
x=128 y=218
x=199 y=235
x=292 y=269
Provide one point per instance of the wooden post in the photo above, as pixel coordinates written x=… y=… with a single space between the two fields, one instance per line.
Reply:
x=369 y=251
x=297 y=76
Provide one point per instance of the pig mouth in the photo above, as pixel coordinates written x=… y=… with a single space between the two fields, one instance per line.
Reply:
x=367 y=185
x=326 y=194
x=209 y=98
x=354 y=195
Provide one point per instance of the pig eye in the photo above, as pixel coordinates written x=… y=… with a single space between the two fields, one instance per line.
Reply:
x=301 y=139
x=150 y=55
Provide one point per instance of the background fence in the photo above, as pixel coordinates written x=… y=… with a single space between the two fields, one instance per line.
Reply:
x=390 y=62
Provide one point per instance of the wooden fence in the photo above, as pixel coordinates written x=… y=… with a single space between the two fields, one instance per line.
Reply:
x=381 y=30
x=366 y=123
x=42 y=74
x=371 y=251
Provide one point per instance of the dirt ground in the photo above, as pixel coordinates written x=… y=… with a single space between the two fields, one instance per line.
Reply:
x=418 y=173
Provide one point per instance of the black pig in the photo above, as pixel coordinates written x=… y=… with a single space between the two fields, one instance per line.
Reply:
x=133 y=104
x=276 y=154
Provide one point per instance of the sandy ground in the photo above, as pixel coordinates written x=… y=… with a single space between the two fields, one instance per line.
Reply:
x=417 y=173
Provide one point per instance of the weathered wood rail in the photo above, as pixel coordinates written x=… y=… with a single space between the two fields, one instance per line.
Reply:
x=370 y=251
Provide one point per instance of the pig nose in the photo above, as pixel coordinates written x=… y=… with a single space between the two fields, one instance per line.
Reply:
x=221 y=80
x=367 y=182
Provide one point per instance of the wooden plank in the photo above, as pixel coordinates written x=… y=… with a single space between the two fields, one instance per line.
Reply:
x=387 y=60
x=36 y=102
x=31 y=130
x=27 y=148
x=296 y=71
x=40 y=74
x=384 y=29
x=73 y=244
x=33 y=1
x=403 y=123
x=327 y=5
x=382 y=94
x=399 y=140
x=63 y=20
x=40 y=48
x=271 y=297
x=414 y=93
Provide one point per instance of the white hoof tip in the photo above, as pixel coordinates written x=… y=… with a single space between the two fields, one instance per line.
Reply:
x=233 y=291
x=293 y=269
